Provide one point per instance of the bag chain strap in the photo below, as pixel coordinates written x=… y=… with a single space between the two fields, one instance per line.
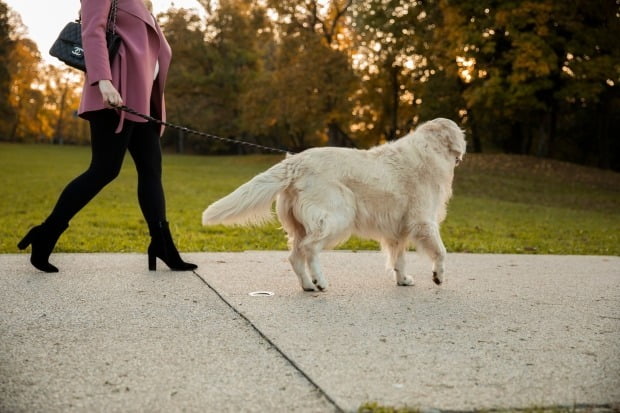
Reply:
x=111 y=25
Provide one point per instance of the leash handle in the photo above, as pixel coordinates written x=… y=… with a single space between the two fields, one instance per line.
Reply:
x=195 y=132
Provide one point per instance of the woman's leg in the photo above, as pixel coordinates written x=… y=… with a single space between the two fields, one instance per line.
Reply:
x=107 y=153
x=108 y=150
x=144 y=146
x=145 y=149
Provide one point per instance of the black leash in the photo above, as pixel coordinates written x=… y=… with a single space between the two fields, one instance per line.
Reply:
x=195 y=132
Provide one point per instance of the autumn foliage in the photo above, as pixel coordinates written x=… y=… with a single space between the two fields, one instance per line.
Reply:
x=529 y=77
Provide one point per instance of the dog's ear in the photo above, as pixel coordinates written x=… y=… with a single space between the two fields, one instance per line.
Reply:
x=447 y=133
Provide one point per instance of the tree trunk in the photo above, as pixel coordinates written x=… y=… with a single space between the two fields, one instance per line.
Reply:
x=337 y=137
x=395 y=98
x=58 y=136
x=602 y=133
x=475 y=137
x=527 y=136
x=180 y=141
x=553 y=129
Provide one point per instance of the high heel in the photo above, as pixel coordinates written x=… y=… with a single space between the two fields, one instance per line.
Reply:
x=43 y=238
x=162 y=247
x=27 y=240
x=152 y=261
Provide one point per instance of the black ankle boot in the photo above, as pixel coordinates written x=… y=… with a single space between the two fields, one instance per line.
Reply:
x=43 y=238
x=162 y=247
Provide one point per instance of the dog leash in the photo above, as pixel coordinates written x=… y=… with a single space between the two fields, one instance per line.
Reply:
x=195 y=132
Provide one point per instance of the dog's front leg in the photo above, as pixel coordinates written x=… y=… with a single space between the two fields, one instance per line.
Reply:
x=428 y=238
x=402 y=279
x=395 y=265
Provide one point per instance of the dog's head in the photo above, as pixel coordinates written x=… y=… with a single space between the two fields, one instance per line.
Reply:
x=445 y=136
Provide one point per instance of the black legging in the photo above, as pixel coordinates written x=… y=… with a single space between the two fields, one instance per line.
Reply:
x=108 y=152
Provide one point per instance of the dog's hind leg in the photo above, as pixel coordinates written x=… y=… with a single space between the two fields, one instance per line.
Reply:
x=395 y=264
x=298 y=262
x=327 y=216
x=329 y=234
x=296 y=234
x=427 y=237
x=325 y=232
x=314 y=265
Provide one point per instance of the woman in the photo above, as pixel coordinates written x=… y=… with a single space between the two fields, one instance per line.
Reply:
x=135 y=77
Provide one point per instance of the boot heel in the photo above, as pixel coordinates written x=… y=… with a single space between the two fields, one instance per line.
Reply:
x=42 y=238
x=27 y=240
x=162 y=247
x=152 y=263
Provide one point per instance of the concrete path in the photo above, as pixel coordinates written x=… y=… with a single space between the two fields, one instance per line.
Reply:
x=505 y=331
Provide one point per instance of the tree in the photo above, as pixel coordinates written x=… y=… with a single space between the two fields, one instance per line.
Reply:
x=517 y=64
x=186 y=101
x=315 y=37
x=42 y=100
x=26 y=100
x=591 y=79
x=62 y=89
x=212 y=64
x=388 y=55
x=7 y=114
x=234 y=48
x=533 y=77
x=284 y=100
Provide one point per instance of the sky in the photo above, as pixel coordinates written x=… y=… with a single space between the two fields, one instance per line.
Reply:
x=45 y=18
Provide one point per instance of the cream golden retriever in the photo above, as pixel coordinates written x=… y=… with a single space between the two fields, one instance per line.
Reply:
x=395 y=193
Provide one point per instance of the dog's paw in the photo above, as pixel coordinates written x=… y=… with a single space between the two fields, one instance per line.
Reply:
x=405 y=281
x=437 y=279
x=401 y=279
x=308 y=286
x=322 y=286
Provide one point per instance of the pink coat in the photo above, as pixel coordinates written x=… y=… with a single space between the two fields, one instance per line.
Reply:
x=132 y=70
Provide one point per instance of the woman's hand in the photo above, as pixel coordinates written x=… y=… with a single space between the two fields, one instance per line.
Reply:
x=110 y=95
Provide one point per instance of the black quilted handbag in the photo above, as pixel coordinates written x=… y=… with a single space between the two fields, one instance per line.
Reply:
x=68 y=45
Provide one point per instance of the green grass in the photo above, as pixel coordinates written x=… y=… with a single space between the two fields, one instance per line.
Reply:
x=501 y=204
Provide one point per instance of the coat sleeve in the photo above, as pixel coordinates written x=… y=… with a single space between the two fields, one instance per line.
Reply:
x=94 y=22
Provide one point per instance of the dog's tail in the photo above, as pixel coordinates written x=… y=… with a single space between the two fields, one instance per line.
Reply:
x=251 y=202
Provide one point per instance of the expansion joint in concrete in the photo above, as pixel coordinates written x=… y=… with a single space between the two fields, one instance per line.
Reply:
x=273 y=345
